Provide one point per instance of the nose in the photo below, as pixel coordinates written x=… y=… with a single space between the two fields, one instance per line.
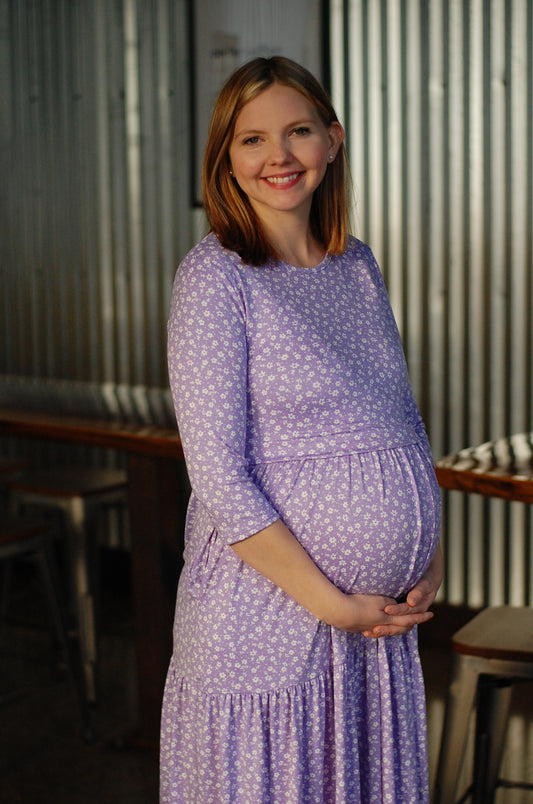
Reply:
x=279 y=152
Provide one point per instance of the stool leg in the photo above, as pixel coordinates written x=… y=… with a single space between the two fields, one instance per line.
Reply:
x=49 y=577
x=494 y=701
x=82 y=588
x=459 y=704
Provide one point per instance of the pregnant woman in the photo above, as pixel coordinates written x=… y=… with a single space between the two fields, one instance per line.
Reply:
x=314 y=509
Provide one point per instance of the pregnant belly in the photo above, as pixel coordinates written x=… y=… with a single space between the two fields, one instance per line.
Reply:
x=369 y=520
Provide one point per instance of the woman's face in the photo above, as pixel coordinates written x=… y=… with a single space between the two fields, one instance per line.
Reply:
x=280 y=152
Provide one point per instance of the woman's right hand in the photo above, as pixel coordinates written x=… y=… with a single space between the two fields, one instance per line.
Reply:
x=366 y=613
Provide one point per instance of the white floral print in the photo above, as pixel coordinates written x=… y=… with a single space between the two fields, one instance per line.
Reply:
x=293 y=402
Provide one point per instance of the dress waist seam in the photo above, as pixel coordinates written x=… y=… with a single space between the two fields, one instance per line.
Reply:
x=332 y=446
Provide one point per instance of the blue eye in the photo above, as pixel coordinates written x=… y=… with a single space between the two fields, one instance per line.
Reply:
x=302 y=130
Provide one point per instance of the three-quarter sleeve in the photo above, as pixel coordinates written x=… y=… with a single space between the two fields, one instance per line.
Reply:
x=207 y=359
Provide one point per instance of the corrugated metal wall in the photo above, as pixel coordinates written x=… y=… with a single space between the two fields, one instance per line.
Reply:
x=95 y=184
x=437 y=98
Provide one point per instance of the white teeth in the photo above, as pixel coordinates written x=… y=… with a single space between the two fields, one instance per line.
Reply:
x=282 y=179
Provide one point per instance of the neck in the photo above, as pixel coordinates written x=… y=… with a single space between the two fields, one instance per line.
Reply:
x=293 y=242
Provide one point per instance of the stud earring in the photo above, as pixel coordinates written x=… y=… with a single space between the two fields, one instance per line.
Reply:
x=331 y=157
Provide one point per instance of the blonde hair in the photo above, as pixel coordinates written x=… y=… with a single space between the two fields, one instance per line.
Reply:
x=229 y=212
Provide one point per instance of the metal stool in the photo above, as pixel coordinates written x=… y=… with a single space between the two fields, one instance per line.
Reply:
x=79 y=493
x=491 y=653
x=30 y=538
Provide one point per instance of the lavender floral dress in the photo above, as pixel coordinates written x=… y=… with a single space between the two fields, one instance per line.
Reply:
x=293 y=402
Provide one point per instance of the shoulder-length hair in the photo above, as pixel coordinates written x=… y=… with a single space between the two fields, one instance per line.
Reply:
x=229 y=213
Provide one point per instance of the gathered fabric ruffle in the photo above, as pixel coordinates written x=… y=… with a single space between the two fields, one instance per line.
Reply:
x=355 y=734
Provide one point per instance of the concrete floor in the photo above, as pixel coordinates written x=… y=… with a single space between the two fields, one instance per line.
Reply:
x=43 y=759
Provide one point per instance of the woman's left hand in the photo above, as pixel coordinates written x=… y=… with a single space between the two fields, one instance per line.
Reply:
x=418 y=600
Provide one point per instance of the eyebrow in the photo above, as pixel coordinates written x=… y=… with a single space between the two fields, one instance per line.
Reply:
x=254 y=131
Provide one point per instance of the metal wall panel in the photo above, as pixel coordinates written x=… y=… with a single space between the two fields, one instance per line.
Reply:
x=95 y=185
x=436 y=96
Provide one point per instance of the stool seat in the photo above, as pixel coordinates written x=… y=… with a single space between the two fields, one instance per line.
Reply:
x=15 y=532
x=499 y=632
x=79 y=493
x=490 y=653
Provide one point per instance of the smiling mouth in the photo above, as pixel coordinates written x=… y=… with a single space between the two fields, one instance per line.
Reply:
x=282 y=179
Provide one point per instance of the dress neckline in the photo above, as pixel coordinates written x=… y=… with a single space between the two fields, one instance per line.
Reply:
x=318 y=267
